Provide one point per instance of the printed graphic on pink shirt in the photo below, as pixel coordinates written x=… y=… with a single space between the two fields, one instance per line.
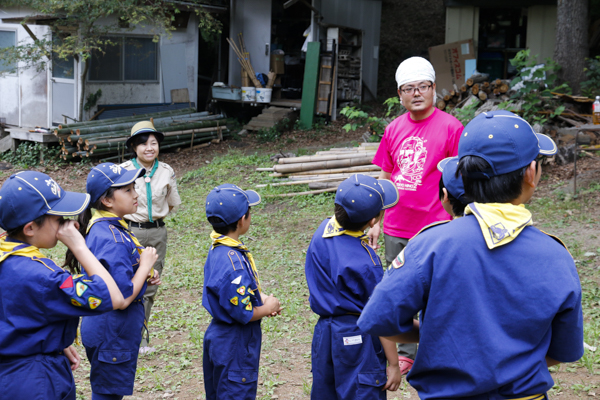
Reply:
x=411 y=163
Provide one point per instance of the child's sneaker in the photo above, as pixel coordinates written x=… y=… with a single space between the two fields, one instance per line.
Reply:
x=147 y=350
x=405 y=364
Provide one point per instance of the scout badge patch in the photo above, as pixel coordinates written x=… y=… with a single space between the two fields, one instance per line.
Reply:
x=234 y=301
x=94 y=302
x=242 y=290
x=222 y=240
x=399 y=260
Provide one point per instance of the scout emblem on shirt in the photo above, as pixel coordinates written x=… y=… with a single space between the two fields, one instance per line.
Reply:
x=249 y=307
x=53 y=186
x=75 y=303
x=411 y=161
x=246 y=300
x=94 y=302
x=116 y=169
x=80 y=288
x=237 y=280
x=498 y=232
x=67 y=284
x=242 y=290
x=251 y=291
x=234 y=301
x=399 y=260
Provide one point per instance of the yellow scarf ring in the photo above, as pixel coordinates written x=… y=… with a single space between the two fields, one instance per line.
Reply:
x=222 y=240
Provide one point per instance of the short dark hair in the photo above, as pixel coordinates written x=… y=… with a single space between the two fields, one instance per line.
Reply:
x=225 y=229
x=142 y=138
x=17 y=232
x=458 y=208
x=341 y=216
x=502 y=188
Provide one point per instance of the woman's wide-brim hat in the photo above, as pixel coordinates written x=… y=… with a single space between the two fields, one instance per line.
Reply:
x=144 y=127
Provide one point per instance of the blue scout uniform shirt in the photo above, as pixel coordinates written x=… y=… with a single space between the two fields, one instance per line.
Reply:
x=489 y=317
x=40 y=304
x=112 y=340
x=341 y=272
x=230 y=291
x=113 y=247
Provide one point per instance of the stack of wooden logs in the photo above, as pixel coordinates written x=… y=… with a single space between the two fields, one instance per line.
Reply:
x=477 y=85
x=324 y=171
x=106 y=138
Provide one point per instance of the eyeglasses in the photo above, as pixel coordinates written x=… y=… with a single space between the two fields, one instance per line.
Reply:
x=421 y=88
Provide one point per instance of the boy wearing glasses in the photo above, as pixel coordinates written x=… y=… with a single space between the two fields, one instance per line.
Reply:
x=411 y=148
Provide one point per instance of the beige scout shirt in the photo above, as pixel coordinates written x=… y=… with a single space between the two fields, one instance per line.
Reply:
x=164 y=193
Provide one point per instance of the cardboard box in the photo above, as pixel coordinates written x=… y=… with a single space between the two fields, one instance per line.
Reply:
x=453 y=63
x=277 y=64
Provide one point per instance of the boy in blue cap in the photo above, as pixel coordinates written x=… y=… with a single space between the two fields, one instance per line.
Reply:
x=500 y=300
x=342 y=271
x=452 y=190
x=233 y=296
x=40 y=302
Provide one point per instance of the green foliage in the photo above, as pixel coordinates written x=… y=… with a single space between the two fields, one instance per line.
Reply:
x=591 y=86
x=267 y=135
x=28 y=154
x=536 y=89
x=92 y=100
x=465 y=114
x=376 y=126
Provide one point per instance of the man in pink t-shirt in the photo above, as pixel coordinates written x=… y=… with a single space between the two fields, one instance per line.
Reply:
x=412 y=146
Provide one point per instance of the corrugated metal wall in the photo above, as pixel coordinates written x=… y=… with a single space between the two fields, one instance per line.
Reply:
x=357 y=14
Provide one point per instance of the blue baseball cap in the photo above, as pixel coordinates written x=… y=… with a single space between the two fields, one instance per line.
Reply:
x=505 y=140
x=363 y=197
x=453 y=184
x=230 y=203
x=28 y=195
x=107 y=175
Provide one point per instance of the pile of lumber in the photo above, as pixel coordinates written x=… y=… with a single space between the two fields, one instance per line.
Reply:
x=476 y=86
x=106 y=138
x=325 y=170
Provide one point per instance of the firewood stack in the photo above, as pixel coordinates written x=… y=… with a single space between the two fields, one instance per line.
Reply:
x=324 y=171
x=478 y=86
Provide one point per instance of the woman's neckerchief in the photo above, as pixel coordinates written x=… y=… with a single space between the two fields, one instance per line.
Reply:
x=500 y=223
x=100 y=215
x=11 y=247
x=222 y=240
x=148 y=180
x=333 y=228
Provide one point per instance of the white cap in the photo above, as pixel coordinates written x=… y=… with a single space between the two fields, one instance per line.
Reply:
x=414 y=69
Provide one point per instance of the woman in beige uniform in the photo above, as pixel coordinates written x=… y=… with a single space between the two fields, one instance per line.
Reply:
x=158 y=196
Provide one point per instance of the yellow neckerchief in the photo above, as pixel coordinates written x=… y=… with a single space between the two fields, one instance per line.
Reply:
x=333 y=228
x=500 y=223
x=10 y=248
x=100 y=215
x=218 y=239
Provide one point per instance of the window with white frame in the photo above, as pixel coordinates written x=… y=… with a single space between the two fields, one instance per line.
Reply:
x=127 y=59
x=7 y=39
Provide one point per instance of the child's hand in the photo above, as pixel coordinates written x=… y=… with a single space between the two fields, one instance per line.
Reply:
x=155 y=279
x=68 y=233
x=273 y=305
x=73 y=357
x=148 y=258
x=394 y=378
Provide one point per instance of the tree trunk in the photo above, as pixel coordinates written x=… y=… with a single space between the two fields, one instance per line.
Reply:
x=571 y=41
x=83 y=81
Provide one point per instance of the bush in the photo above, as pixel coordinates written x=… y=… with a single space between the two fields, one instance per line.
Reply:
x=591 y=86
x=28 y=155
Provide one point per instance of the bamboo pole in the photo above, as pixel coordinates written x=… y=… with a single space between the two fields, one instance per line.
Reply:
x=139 y=117
x=307 y=159
x=302 y=182
x=302 y=193
x=350 y=162
x=354 y=170
x=327 y=176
